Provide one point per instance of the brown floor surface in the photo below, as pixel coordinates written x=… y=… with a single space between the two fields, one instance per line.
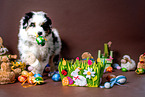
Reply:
x=134 y=88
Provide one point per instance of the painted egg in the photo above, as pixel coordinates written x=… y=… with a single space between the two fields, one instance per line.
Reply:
x=121 y=79
x=25 y=73
x=31 y=79
x=65 y=81
x=56 y=77
x=37 y=75
x=124 y=69
x=107 y=85
x=139 y=70
x=70 y=80
x=39 y=80
x=40 y=40
x=22 y=78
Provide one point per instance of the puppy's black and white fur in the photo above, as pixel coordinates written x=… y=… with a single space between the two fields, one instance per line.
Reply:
x=35 y=24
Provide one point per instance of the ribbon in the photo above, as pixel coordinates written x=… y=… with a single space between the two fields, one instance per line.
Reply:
x=76 y=77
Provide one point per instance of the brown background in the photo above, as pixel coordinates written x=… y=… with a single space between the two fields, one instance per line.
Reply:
x=84 y=25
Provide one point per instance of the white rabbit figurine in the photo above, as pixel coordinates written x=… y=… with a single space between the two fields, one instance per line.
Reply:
x=78 y=79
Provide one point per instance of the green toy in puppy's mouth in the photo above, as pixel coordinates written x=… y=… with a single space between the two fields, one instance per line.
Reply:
x=40 y=40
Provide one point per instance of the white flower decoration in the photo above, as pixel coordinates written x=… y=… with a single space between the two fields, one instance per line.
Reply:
x=89 y=73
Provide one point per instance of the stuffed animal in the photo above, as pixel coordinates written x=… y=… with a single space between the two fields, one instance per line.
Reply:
x=128 y=63
x=141 y=63
x=3 y=50
x=6 y=76
x=86 y=55
x=31 y=60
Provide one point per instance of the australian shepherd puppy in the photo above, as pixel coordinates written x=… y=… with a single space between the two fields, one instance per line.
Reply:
x=35 y=24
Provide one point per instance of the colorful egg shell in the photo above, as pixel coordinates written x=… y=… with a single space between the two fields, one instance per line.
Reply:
x=22 y=78
x=70 y=80
x=139 y=70
x=39 y=80
x=25 y=73
x=40 y=40
x=31 y=79
x=37 y=75
x=124 y=69
x=65 y=81
x=121 y=79
x=56 y=77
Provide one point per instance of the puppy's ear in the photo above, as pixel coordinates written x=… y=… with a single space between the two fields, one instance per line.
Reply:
x=47 y=25
x=26 y=19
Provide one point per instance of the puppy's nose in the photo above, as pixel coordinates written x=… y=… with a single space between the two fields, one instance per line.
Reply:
x=39 y=33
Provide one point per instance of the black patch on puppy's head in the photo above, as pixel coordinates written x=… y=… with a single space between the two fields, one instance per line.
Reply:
x=47 y=25
x=26 y=19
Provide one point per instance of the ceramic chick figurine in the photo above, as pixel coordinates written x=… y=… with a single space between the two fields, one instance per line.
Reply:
x=141 y=63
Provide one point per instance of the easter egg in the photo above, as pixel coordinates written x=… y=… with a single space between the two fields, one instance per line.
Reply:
x=121 y=79
x=40 y=40
x=25 y=73
x=31 y=79
x=70 y=80
x=124 y=69
x=22 y=78
x=39 y=80
x=139 y=70
x=56 y=77
x=37 y=75
x=107 y=85
x=65 y=81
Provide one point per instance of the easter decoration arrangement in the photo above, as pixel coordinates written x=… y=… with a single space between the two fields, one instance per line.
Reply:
x=81 y=72
x=127 y=63
x=8 y=74
x=107 y=57
x=32 y=79
x=141 y=65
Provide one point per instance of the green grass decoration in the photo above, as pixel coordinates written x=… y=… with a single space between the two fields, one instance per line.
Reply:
x=70 y=66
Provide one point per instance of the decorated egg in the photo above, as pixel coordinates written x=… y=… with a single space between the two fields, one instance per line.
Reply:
x=40 y=40
x=39 y=80
x=70 y=80
x=107 y=85
x=31 y=79
x=22 y=78
x=56 y=77
x=121 y=79
x=37 y=75
x=65 y=81
x=25 y=73
x=124 y=69
x=139 y=71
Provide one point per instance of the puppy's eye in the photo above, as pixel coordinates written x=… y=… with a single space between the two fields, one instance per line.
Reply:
x=32 y=25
